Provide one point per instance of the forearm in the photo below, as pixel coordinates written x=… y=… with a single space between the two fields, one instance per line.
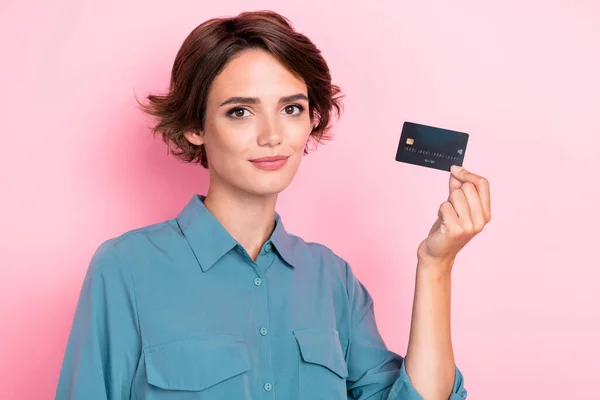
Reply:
x=430 y=358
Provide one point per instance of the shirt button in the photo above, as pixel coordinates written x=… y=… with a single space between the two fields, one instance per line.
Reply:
x=268 y=387
x=263 y=331
x=268 y=247
x=258 y=281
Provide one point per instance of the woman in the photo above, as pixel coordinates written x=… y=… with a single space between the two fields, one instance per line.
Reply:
x=221 y=302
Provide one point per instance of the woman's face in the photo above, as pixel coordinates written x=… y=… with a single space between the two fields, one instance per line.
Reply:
x=256 y=108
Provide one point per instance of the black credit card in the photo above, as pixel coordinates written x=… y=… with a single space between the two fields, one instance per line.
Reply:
x=431 y=147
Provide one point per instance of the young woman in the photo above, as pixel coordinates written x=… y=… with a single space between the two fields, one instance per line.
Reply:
x=221 y=302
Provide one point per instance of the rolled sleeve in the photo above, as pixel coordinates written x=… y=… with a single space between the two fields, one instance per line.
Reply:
x=404 y=390
x=374 y=371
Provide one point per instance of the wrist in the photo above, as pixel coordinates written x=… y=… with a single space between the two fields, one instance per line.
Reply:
x=438 y=269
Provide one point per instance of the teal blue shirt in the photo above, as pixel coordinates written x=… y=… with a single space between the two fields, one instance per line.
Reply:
x=179 y=310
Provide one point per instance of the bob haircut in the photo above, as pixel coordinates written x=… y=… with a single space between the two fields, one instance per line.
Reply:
x=208 y=49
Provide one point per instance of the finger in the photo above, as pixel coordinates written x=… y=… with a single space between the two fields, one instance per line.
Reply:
x=475 y=207
x=463 y=175
x=482 y=185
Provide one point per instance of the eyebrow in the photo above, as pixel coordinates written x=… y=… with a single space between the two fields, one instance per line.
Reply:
x=256 y=100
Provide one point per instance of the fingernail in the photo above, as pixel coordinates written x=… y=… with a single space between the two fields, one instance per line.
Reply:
x=455 y=168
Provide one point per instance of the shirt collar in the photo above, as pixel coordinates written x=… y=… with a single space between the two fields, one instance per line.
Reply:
x=210 y=241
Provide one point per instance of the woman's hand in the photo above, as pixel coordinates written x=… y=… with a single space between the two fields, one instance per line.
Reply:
x=460 y=218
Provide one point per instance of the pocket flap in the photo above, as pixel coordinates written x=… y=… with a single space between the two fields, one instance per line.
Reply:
x=196 y=364
x=322 y=346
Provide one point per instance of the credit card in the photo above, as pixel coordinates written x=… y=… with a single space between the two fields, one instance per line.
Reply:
x=431 y=147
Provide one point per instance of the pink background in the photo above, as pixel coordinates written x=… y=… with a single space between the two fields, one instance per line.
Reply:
x=522 y=77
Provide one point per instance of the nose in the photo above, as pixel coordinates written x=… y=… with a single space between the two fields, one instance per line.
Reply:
x=269 y=133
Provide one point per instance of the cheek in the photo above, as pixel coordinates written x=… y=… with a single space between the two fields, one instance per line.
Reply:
x=231 y=141
x=301 y=134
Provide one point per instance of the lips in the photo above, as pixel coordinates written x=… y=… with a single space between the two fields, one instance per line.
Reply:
x=270 y=163
x=269 y=159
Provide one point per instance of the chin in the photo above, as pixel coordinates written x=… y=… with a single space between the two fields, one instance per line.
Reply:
x=269 y=188
x=273 y=184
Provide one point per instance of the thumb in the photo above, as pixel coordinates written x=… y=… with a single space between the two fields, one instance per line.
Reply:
x=453 y=183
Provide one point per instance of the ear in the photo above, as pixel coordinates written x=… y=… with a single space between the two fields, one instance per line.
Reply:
x=195 y=137
x=315 y=122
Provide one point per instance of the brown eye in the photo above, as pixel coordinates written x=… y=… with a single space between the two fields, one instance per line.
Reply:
x=238 y=113
x=289 y=110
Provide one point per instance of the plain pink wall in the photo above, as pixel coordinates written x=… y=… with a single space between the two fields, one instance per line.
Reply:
x=522 y=77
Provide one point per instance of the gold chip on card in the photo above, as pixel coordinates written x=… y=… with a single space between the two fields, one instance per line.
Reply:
x=410 y=141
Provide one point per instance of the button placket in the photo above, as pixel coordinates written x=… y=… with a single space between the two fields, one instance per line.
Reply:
x=262 y=324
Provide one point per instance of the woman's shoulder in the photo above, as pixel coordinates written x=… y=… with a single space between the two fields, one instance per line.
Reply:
x=136 y=241
x=318 y=254
x=142 y=234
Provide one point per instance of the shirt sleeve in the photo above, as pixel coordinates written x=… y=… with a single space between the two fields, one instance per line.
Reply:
x=374 y=372
x=104 y=345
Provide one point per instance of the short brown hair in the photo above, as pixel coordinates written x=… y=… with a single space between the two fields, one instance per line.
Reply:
x=204 y=54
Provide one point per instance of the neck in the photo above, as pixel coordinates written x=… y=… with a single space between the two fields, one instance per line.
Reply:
x=249 y=219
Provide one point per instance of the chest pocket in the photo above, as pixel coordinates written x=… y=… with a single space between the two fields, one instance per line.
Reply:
x=205 y=367
x=322 y=370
